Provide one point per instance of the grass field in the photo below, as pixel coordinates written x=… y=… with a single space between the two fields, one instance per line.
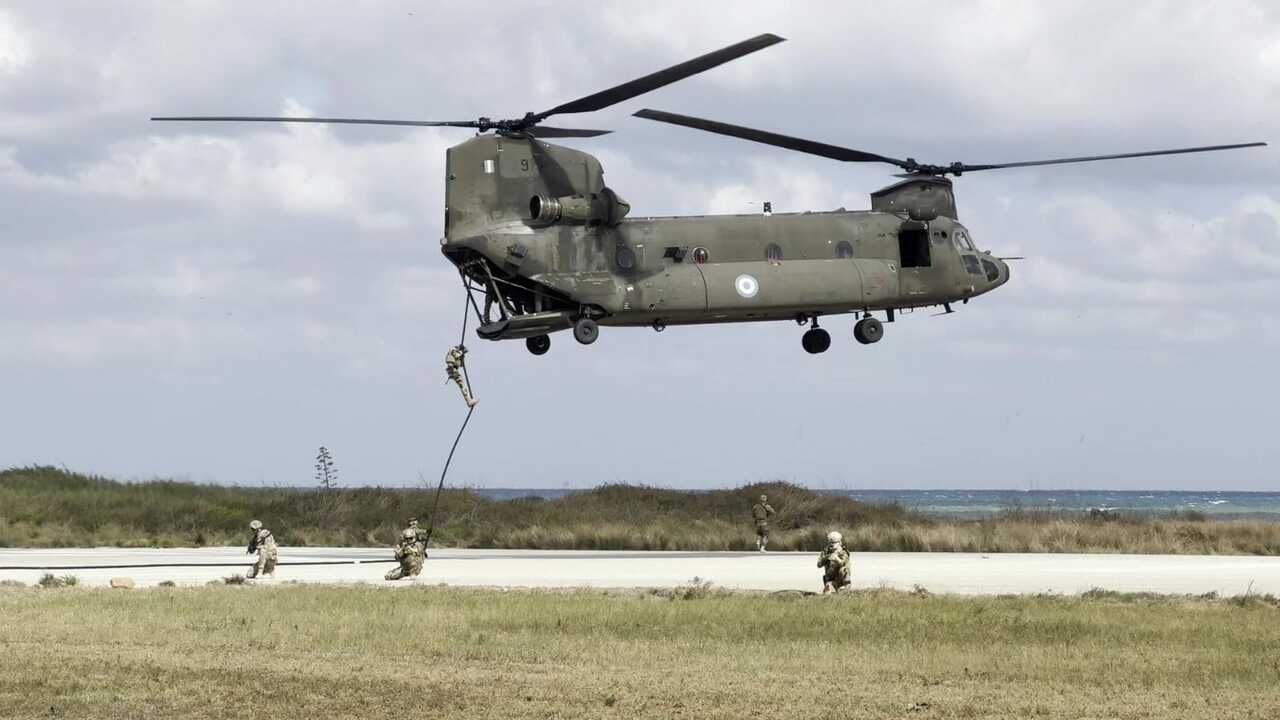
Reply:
x=49 y=507
x=429 y=652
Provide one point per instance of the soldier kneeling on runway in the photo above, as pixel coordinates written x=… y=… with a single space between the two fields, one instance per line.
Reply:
x=409 y=553
x=834 y=562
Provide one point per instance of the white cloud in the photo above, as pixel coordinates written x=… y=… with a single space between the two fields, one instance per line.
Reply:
x=304 y=169
x=15 y=52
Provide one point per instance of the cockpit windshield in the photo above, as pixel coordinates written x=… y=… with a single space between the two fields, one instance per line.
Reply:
x=962 y=240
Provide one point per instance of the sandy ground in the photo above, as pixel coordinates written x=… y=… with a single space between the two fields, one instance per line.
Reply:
x=938 y=572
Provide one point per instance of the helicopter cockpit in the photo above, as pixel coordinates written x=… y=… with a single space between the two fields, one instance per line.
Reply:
x=987 y=272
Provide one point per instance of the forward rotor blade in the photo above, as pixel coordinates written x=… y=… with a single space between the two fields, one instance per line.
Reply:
x=347 y=121
x=640 y=86
x=1091 y=158
x=541 y=131
x=834 y=152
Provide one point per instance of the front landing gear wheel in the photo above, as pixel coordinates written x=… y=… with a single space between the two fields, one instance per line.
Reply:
x=815 y=341
x=538 y=344
x=868 y=330
x=586 y=331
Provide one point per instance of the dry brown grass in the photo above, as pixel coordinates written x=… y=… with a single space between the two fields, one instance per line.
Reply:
x=255 y=652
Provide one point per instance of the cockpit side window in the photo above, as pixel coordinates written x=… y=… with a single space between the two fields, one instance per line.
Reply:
x=962 y=240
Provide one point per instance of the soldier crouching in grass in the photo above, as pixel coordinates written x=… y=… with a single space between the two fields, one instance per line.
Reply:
x=834 y=562
x=265 y=545
x=761 y=512
x=409 y=554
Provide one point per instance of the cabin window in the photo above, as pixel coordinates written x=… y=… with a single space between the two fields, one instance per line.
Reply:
x=700 y=255
x=625 y=258
x=993 y=272
x=844 y=249
x=773 y=253
x=913 y=247
x=971 y=264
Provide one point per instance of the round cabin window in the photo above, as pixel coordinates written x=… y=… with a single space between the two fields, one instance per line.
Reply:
x=625 y=258
x=773 y=253
x=844 y=249
x=700 y=255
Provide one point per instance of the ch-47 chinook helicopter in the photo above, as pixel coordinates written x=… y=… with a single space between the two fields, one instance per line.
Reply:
x=535 y=231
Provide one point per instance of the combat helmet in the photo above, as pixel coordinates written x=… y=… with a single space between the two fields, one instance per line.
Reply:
x=255 y=524
x=408 y=535
x=833 y=537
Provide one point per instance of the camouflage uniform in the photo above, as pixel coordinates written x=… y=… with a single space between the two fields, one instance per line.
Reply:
x=418 y=534
x=265 y=545
x=410 y=555
x=834 y=561
x=453 y=362
x=761 y=512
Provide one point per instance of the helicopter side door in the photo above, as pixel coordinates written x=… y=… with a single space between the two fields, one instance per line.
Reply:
x=920 y=277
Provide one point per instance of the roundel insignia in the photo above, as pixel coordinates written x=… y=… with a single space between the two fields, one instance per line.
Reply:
x=747 y=286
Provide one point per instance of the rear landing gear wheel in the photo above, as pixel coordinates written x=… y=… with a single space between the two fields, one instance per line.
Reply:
x=868 y=330
x=586 y=331
x=538 y=344
x=816 y=341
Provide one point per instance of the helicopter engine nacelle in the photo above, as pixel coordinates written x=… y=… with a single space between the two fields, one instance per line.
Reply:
x=604 y=207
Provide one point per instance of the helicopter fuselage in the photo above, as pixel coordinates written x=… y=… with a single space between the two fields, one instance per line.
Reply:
x=534 y=227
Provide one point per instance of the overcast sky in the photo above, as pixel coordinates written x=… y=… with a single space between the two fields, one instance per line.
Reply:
x=214 y=303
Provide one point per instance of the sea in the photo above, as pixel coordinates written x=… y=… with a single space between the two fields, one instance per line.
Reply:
x=987 y=503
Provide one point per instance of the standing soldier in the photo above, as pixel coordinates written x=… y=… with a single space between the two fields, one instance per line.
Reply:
x=265 y=545
x=409 y=555
x=761 y=512
x=453 y=362
x=834 y=562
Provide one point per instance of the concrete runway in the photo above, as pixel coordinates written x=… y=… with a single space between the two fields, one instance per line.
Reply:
x=964 y=573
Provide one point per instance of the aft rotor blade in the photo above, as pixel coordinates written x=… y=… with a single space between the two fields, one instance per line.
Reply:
x=834 y=152
x=543 y=131
x=640 y=86
x=346 y=121
x=1091 y=158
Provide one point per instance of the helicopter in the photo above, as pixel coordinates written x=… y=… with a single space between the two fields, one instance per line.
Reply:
x=547 y=246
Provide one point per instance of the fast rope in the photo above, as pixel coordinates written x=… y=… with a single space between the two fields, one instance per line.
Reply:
x=435 y=503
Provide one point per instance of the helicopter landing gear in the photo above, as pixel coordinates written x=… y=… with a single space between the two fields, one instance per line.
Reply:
x=815 y=340
x=538 y=344
x=586 y=331
x=868 y=330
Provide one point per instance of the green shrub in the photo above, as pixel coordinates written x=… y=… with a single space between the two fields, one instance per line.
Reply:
x=51 y=507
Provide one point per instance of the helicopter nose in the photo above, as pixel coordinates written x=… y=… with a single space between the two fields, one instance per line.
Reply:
x=1004 y=273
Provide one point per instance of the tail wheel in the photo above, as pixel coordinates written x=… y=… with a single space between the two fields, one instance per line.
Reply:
x=538 y=344
x=586 y=331
x=868 y=330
